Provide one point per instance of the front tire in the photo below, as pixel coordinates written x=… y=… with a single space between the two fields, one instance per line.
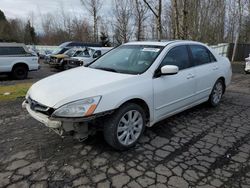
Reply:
x=124 y=128
x=65 y=66
x=216 y=94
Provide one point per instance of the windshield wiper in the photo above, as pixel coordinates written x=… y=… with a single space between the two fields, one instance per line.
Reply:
x=107 y=69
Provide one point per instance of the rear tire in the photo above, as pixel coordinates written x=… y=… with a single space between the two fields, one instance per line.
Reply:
x=19 y=72
x=124 y=128
x=216 y=94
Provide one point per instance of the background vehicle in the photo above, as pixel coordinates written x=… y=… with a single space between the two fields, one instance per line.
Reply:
x=57 y=61
x=15 y=59
x=43 y=53
x=129 y=88
x=66 y=46
x=247 y=66
x=85 y=57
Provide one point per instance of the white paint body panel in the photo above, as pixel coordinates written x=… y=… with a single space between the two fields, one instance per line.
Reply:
x=7 y=62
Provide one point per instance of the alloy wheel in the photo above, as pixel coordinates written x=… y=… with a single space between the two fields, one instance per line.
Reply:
x=130 y=127
x=217 y=92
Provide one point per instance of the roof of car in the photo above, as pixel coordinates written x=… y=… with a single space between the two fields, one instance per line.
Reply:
x=162 y=43
x=11 y=44
x=100 y=48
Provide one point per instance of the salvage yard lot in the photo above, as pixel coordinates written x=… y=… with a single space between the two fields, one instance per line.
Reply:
x=201 y=147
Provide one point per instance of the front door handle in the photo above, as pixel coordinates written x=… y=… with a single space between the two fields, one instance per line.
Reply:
x=189 y=76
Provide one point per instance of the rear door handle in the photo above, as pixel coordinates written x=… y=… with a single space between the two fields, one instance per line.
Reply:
x=215 y=68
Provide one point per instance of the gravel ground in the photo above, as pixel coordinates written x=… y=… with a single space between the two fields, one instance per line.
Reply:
x=201 y=147
x=33 y=76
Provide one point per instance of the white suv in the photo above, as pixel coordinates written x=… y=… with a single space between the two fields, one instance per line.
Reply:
x=17 y=60
x=130 y=87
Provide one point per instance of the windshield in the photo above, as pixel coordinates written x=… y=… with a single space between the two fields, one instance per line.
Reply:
x=84 y=53
x=70 y=52
x=91 y=51
x=128 y=59
x=56 y=51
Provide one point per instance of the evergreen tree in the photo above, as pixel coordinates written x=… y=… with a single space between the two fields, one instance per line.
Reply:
x=2 y=16
x=30 y=34
x=5 y=29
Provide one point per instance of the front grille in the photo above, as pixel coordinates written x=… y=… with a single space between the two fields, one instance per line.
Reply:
x=53 y=60
x=37 y=107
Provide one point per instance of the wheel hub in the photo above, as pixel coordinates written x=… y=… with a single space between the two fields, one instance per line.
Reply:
x=130 y=127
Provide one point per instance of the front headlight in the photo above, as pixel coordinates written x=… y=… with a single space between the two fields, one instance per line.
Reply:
x=80 y=108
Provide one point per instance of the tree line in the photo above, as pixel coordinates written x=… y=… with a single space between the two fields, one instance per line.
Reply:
x=209 y=21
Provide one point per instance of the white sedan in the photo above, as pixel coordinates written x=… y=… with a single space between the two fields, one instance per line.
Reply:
x=129 y=88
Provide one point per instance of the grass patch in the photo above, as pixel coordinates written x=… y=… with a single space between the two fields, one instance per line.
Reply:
x=12 y=92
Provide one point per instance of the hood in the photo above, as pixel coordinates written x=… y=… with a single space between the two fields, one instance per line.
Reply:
x=75 y=84
x=70 y=59
x=85 y=60
x=59 y=56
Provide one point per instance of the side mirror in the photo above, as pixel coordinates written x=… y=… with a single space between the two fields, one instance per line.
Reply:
x=169 y=70
x=95 y=55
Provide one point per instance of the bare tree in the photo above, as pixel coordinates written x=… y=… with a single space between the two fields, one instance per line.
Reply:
x=122 y=25
x=140 y=17
x=202 y=20
x=157 y=13
x=185 y=20
x=70 y=27
x=245 y=29
x=176 y=19
x=81 y=30
x=93 y=7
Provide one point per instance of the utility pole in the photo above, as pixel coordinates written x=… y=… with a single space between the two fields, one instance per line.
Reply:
x=157 y=14
x=238 y=31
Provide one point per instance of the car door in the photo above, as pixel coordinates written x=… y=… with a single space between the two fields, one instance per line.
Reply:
x=206 y=70
x=174 y=92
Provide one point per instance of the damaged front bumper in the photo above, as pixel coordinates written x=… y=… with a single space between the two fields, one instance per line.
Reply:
x=77 y=127
x=44 y=119
x=78 y=130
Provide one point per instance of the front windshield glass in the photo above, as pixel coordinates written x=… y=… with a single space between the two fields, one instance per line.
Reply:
x=91 y=51
x=56 y=51
x=70 y=52
x=128 y=59
x=76 y=53
x=84 y=53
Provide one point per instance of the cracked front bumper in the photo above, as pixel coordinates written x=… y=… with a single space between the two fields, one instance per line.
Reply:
x=42 y=117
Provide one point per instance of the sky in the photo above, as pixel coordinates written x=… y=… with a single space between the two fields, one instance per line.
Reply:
x=24 y=9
